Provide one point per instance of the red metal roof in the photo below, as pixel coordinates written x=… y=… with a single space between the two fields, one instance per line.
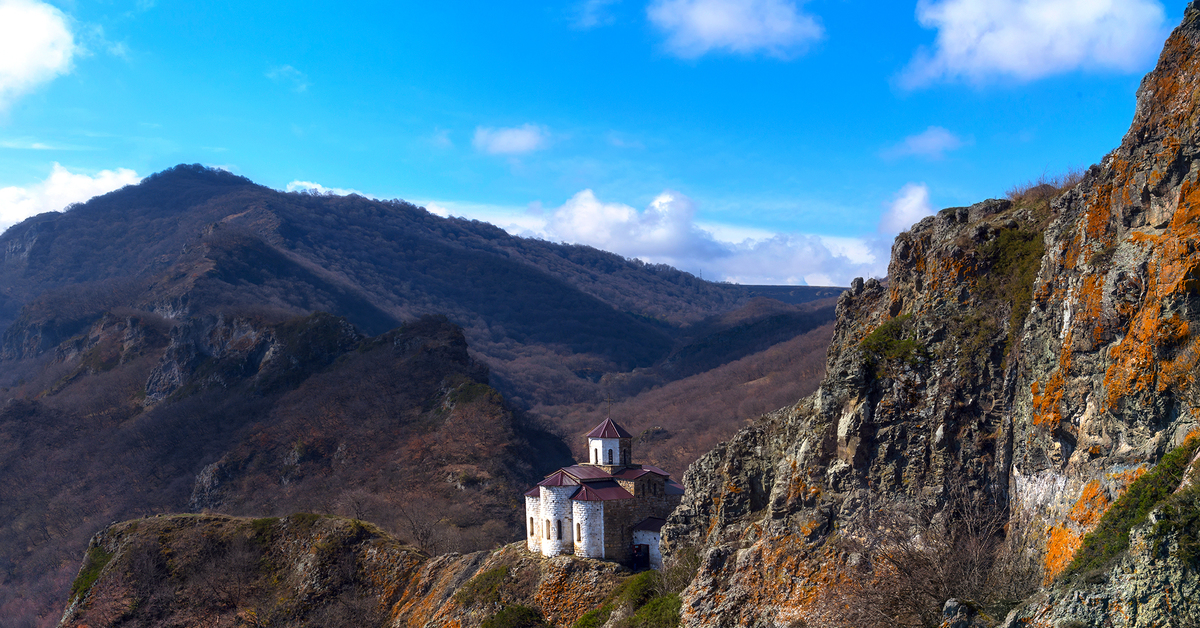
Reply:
x=630 y=474
x=585 y=473
x=601 y=492
x=674 y=488
x=651 y=524
x=534 y=492
x=609 y=429
x=558 y=478
x=653 y=469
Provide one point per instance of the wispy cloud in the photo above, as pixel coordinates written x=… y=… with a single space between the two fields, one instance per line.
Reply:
x=441 y=139
x=932 y=143
x=58 y=191
x=695 y=27
x=511 y=141
x=25 y=145
x=621 y=140
x=1024 y=40
x=288 y=75
x=316 y=188
x=591 y=14
x=908 y=207
x=36 y=45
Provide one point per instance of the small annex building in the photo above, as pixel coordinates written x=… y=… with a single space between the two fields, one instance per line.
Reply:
x=607 y=508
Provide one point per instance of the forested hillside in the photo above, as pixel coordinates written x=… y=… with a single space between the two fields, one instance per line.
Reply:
x=199 y=342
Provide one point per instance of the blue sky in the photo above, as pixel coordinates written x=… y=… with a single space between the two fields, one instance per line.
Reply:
x=757 y=141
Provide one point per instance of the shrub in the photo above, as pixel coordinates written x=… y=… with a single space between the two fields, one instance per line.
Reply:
x=515 y=616
x=1180 y=516
x=1014 y=257
x=638 y=590
x=594 y=618
x=484 y=588
x=893 y=341
x=93 y=564
x=1111 y=536
x=660 y=612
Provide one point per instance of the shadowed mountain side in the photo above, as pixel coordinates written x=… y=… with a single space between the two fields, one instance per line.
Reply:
x=303 y=415
x=677 y=421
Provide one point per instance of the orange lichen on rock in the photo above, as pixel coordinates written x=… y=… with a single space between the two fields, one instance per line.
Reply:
x=1061 y=544
x=1099 y=212
x=1047 y=403
x=1090 y=506
x=1091 y=304
x=1125 y=478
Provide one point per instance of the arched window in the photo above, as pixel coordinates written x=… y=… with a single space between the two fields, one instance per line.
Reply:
x=595 y=456
x=547 y=529
x=557 y=529
x=531 y=526
x=578 y=534
x=610 y=457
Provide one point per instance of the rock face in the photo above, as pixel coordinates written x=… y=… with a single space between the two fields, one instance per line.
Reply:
x=312 y=570
x=1036 y=354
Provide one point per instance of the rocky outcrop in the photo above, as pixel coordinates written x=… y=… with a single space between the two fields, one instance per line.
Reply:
x=1035 y=355
x=313 y=570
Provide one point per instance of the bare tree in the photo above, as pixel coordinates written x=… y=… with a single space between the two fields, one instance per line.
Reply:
x=905 y=561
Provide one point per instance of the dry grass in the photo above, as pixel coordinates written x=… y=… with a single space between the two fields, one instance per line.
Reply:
x=1046 y=186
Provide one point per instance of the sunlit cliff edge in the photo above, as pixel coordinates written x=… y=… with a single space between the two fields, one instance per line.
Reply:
x=1033 y=355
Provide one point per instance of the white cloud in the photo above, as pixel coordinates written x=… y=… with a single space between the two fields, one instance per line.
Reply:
x=932 y=143
x=910 y=205
x=511 y=141
x=441 y=139
x=1025 y=40
x=593 y=13
x=35 y=46
x=316 y=188
x=666 y=232
x=288 y=75
x=695 y=27
x=59 y=190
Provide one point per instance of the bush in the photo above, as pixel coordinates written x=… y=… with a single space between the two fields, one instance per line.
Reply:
x=93 y=564
x=1014 y=257
x=515 y=616
x=1111 y=536
x=484 y=588
x=660 y=612
x=1180 y=516
x=594 y=618
x=638 y=590
x=893 y=341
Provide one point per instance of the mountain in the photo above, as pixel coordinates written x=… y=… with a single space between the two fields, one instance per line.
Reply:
x=1010 y=422
x=1006 y=431
x=198 y=343
x=551 y=321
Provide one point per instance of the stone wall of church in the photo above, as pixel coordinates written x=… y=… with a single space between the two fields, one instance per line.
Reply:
x=557 y=520
x=589 y=529
x=533 y=514
x=602 y=446
x=620 y=515
x=646 y=537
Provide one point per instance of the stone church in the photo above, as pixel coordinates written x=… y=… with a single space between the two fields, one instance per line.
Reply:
x=608 y=508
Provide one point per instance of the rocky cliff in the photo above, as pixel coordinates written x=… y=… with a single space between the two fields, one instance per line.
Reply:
x=1028 y=358
x=191 y=570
